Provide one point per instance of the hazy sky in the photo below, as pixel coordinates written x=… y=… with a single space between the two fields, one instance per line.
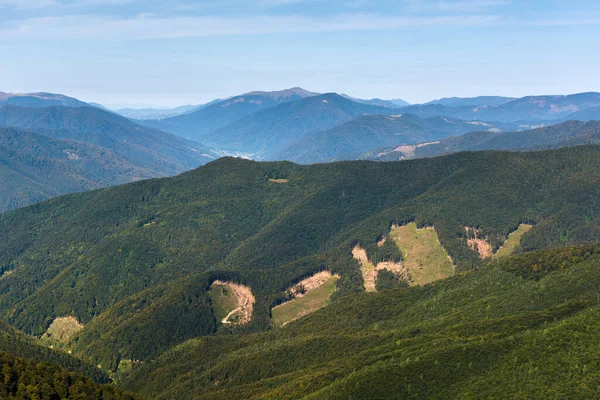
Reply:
x=169 y=53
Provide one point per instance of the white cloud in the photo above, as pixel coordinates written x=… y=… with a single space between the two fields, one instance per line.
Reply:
x=48 y=4
x=144 y=27
x=26 y=4
x=456 y=5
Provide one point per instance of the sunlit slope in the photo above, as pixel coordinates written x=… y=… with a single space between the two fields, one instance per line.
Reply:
x=524 y=327
x=119 y=249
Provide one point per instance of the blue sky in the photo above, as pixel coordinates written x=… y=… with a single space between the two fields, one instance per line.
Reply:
x=167 y=53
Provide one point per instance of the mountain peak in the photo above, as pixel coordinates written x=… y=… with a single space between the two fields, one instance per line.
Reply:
x=284 y=94
x=39 y=99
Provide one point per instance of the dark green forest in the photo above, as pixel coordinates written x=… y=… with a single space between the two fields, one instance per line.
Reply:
x=133 y=263
x=25 y=379
x=525 y=327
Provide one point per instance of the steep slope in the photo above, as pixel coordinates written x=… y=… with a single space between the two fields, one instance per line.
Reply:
x=531 y=109
x=164 y=152
x=398 y=103
x=158 y=113
x=264 y=134
x=101 y=148
x=30 y=379
x=478 y=101
x=366 y=132
x=39 y=100
x=588 y=114
x=203 y=122
x=130 y=259
x=20 y=345
x=570 y=133
x=35 y=167
x=522 y=328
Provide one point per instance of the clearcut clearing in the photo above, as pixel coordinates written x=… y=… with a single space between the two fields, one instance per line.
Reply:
x=423 y=255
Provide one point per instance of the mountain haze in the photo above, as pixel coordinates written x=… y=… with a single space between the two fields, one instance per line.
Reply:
x=374 y=131
x=199 y=124
x=570 y=133
x=56 y=150
x=39 y=100
x=36 y=167
x=529 y=109
x=478 y=101
x=264 y=134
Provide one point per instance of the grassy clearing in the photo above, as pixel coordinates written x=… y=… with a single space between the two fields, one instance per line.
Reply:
x=512 y=242
x=367 y=269
x=62 y=329
x=424 y=257
x=301 y=306
x=223 y=300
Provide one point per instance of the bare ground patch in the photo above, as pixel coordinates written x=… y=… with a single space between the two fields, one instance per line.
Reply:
x=244 y=298
x=309 y=295
x=370 y=271
x=62 y=329
x=478 y=243
x=311 y=283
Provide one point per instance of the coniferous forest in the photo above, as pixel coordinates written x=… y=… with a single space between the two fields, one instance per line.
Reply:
x=134 y=265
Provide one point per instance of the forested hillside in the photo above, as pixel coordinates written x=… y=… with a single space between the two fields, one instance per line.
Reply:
x=525 y=327
x=566 y=134
x=35 y=167
x=126 y=261
x=377 y=131
x=22 y=346
x=49 y=151
x=265 y=133
x=31 y=379
x=39 y=100
x=201 y=123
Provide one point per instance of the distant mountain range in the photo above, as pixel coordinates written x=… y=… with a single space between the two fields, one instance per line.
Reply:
x=479 y=101
x=35 y=167
x=156 y=113
x=531 y=108
x=57 y=150
x=201 y=123
x=277 y=125
x=398 y=103
x=566 y=134
x=39 y=100
x=374 y=131
x=106 y=148
x=264 y=134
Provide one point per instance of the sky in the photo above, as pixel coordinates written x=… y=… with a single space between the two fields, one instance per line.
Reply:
x=174 y=52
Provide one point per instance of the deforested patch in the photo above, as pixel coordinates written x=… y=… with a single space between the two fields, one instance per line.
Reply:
x=424 y=257
x=62 y=329
x=232 y=302
x=512 y=242
x=477 y=242
x=307 y=296
x=369 y=271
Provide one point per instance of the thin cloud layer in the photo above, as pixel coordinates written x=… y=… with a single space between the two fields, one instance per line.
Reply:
x=148 y=27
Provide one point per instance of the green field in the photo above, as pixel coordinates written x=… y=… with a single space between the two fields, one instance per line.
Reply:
x=513 y=241
x=223 y=301
x=301 y=306
x=424 y=257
